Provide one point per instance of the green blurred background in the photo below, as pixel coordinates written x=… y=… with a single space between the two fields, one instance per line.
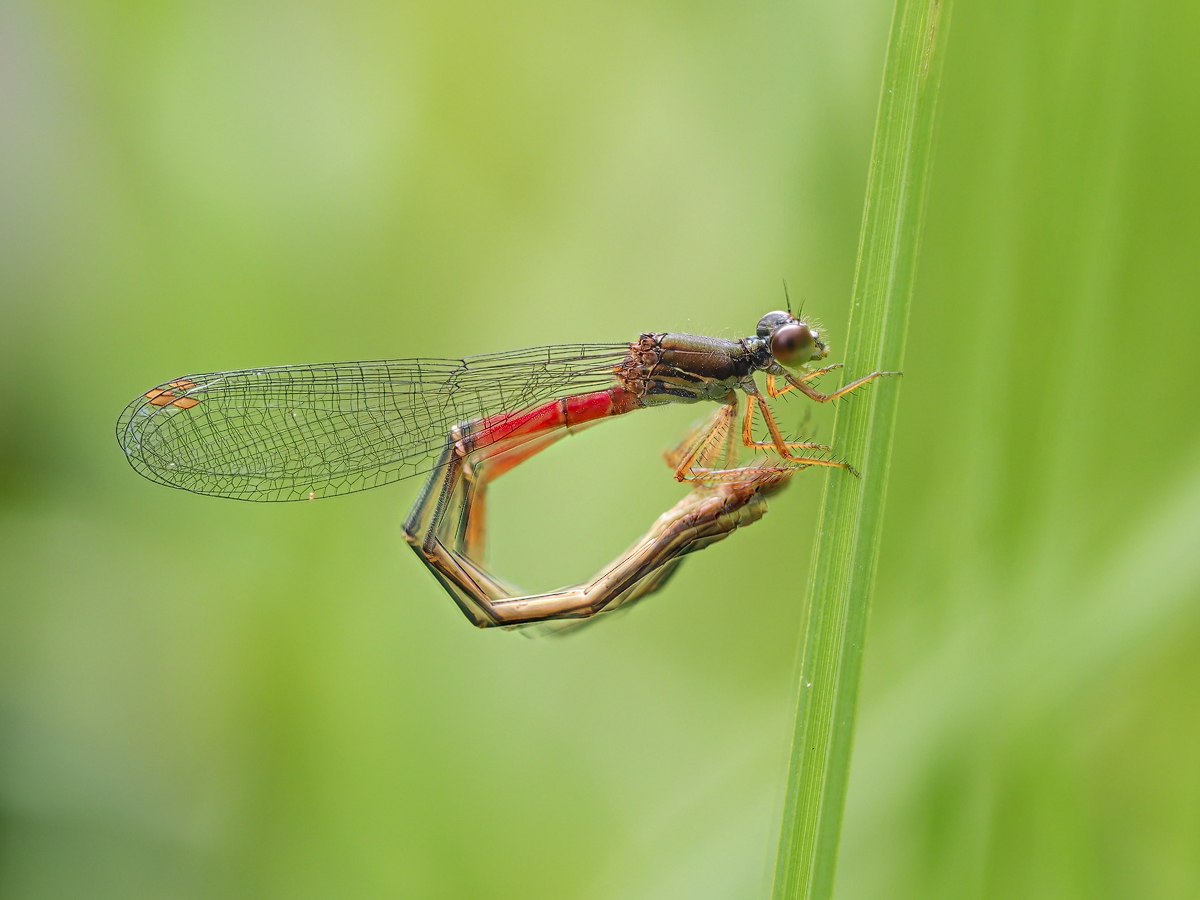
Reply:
x=207 y=699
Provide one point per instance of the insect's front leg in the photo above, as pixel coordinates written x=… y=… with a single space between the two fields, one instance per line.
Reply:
x=802 y=385
x=774 y=390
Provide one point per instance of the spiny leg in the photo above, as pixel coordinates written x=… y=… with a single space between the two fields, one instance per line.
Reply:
x=777 y=443
x=748 y=430
x=775 y=391
x=704 y=442
x=700 y=448
x=732 y=452
x=808 y=390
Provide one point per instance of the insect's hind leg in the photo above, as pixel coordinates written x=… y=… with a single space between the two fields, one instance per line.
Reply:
x=705 y=443
x=715 y=439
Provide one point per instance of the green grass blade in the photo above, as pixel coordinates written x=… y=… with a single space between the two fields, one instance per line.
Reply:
x=852 y=509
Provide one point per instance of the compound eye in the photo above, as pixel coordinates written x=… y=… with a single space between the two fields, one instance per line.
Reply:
x=792 y=345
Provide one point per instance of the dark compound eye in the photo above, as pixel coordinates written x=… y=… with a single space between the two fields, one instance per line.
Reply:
x=792 y=344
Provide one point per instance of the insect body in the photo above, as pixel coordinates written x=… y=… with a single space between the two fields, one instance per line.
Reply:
x=302 y=432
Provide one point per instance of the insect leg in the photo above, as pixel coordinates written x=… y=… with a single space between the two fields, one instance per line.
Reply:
x=774 y=390
x=778 y=444
x=810 y=391
x=702 y=447
x=704 y=443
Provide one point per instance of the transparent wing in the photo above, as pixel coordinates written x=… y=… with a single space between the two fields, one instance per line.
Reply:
x=295 y=432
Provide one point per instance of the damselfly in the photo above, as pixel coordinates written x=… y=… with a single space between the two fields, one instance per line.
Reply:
x=309 y=431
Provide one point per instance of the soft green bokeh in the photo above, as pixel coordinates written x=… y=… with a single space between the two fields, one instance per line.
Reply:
x=204 y=699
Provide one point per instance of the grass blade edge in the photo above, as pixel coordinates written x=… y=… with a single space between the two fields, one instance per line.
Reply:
x=851 y=515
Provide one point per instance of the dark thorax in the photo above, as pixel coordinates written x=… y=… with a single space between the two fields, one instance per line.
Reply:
x=687 y=368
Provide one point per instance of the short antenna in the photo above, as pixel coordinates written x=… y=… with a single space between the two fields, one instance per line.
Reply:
x=786 y=297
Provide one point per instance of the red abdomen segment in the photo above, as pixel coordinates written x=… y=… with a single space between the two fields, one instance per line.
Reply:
x=500 y=432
